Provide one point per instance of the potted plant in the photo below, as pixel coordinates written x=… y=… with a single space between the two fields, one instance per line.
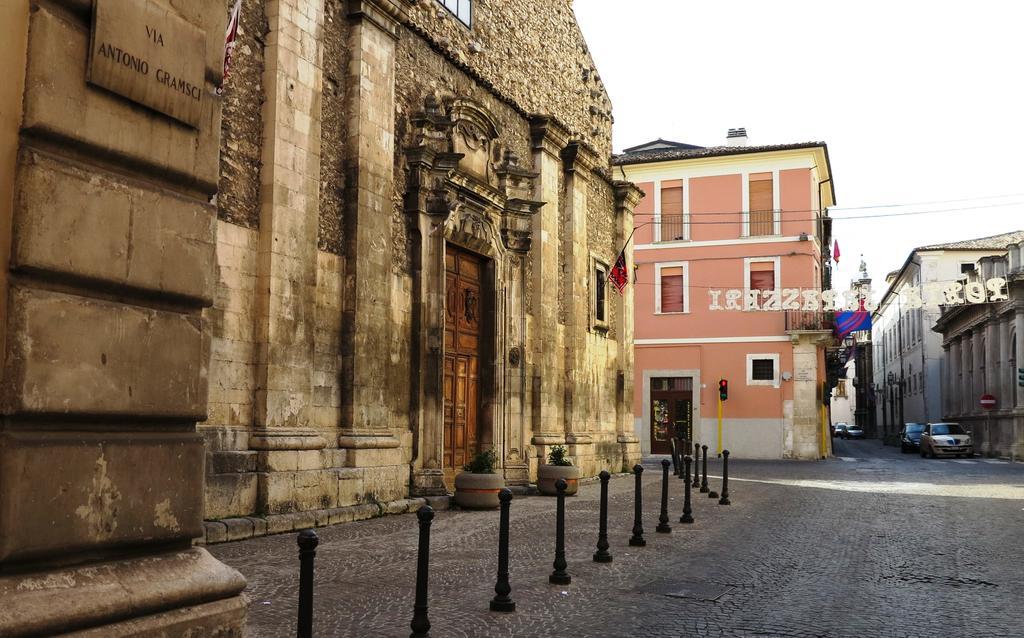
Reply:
x=478 y=485
x=557 y=467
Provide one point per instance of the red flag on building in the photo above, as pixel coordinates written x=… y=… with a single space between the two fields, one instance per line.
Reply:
x=835 y=251
x=618 y=275
x=229 y=42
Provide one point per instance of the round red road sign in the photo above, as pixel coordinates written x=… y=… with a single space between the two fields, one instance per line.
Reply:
x=987 y=401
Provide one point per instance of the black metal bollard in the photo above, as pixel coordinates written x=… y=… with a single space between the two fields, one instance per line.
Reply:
x=420 y=623
x=502 y=589
x=637 y=539
x=676 y=470
x=560 y=576
x=687 y=516
x=696 y=460
x=307 y=541
x=704 y=489
x=663 y=526
x=725 y=479
x=602 y=555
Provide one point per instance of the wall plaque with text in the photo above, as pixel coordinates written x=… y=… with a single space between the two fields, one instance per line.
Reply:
x=146 y=52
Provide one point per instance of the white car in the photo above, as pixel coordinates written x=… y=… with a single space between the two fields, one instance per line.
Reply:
x=945 y=439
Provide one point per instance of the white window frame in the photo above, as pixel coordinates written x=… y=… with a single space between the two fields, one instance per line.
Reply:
x=468 y=22
x=776 y=203
x=760 y=260
x=686 y=208
x=774 y=383
x=686 y=286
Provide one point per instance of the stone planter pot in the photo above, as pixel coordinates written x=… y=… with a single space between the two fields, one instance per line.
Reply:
x=548 y=474
x=478 y=491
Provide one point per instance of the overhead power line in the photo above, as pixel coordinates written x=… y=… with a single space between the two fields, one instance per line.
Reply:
x=677 y=217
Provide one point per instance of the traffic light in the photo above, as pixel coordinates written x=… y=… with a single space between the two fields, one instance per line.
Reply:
x=1020 y=377
x=723 y=388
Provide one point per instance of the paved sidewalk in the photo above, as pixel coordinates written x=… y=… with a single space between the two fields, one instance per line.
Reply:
x=806 y=549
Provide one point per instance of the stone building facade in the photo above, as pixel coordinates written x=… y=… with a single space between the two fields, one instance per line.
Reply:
x=109 y=242
x=380 y=250
x=982 y=351
x=413 y=217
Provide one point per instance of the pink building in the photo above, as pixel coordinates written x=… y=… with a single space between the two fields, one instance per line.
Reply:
x=734 y=217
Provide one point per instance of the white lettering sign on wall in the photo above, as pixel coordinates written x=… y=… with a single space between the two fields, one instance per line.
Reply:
x=955 y=293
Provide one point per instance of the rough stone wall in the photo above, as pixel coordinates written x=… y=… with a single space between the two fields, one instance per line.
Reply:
x=333 y=128
x=601 y=239
x=532 y=52
x=351 y=438
x=238 y=199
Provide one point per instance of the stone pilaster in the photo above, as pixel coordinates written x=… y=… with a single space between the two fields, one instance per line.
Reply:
x=967 y=347
x=805 y=442
x=955 y=387
x=945 y=369
x=1007 y=375
x=627 y=196
x=286 y=262
x=370 y=166
x=545 y=358
x=578 y=163
x=109 y=237
x=1018 y=322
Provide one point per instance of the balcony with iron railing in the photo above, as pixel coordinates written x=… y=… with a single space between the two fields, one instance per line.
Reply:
x=673 y=228
x=761 y=223
x=809 y=321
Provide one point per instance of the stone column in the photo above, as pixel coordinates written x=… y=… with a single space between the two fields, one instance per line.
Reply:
x=627 y=196
x=955 y=386
x=805 y=443
x=992 y=375
x=286 y=264
x=427 y=200
x=545 y=355
x=367 y=432
x=945 y=376
x=578 y=162
x=967 y=368
x=979 y=346
x=1007 y=375
x=1018 y=322
x=109 y=237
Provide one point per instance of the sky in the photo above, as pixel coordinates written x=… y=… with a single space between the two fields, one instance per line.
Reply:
x=917 y=101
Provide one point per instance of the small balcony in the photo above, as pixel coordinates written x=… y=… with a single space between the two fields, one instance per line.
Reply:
x=761 y=223
x=673 y=228
x=809 y=321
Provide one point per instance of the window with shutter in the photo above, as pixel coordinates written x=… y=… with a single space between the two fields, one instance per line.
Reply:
x=672 y=282
x=762 y=214
x=672 y=228
x=762 y=276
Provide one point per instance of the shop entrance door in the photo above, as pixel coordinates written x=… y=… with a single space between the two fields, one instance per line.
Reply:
x=671 y=412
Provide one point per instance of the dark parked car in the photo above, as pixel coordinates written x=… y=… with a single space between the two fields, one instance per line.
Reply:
x=839 y=429
x=854 y=432
x=910 y=436
x=945 y=439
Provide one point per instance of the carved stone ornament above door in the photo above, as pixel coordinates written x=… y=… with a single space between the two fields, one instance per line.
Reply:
x=460 y=173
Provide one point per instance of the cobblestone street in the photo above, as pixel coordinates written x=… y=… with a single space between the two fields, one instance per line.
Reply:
x=870 y=543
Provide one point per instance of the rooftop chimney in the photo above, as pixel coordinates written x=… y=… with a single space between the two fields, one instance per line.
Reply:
x=736 y=137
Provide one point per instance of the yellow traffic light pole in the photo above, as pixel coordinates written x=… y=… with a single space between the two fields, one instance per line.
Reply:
x=719 y=423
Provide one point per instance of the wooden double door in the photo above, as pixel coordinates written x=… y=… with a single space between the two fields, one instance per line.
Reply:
x=671 y=412
x=464 y=303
